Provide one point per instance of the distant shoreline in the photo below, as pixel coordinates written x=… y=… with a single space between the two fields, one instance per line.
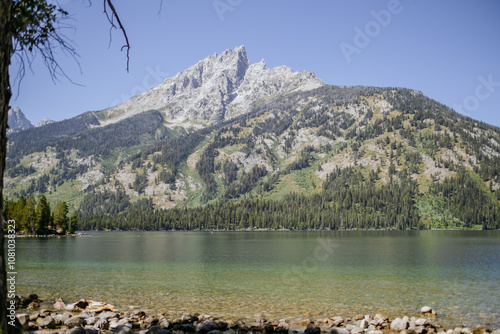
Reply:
x=73 y=235
x=88 y=233
x=287 y=230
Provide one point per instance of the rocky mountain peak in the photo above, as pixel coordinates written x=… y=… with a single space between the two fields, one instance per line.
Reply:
x=17 y=121
x=217 y=88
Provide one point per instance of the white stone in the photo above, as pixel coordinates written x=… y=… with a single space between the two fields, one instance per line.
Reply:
x=363 y=324
x=395 y=323
x=426 y=309
x=420 y=322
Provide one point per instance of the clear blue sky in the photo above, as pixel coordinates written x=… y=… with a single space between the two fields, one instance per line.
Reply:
x=448 y=49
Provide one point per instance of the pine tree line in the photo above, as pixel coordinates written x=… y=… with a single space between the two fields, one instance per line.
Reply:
x=36 y=217
x=348 y=200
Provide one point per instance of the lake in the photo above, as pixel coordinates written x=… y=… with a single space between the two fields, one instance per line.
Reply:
x=293 y=275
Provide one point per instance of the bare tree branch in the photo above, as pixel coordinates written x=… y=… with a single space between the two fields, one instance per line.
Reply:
x=161 y=7
x=46 y=43
x=111 y=17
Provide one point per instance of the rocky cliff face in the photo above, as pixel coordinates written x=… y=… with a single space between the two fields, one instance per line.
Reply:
x=217 y=88
x=18 y=121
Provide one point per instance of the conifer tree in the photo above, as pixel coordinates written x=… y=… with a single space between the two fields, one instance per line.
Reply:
x=73 y=223
x=16 y=211
x=61 y=217
x=42 y=215
x=29 y=216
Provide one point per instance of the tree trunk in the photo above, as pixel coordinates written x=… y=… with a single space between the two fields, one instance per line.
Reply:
x=5 y=93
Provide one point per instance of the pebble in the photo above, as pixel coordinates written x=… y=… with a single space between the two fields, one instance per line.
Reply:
x=312 y=329
x=46 y=322
x=24 y=319
x=426 y=309
x=421 y=322
x=101 y=323
x=364 y=324
x=92 y=330
x=122 y=329
x=76 y=330
x=357 y=330
x=157 y=330
x=108 y=315
x=338 y=330
x=206 y=326
x=74 y=322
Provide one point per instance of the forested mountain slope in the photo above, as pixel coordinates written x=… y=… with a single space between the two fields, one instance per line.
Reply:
x=330 y=157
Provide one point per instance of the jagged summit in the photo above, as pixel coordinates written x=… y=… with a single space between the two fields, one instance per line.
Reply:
x=217 y=88
x=18 y=121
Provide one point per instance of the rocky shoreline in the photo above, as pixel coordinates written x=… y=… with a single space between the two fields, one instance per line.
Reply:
x=138 y=322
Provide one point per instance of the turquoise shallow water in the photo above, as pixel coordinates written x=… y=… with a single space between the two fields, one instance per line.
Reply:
x=274 y=274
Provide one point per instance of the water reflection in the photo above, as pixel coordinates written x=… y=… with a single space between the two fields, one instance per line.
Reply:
x=241 y=274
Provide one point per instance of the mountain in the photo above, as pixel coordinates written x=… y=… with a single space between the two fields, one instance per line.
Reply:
x=44 y=121
x=215 y=89
x=228 y=144
x=18 y=121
